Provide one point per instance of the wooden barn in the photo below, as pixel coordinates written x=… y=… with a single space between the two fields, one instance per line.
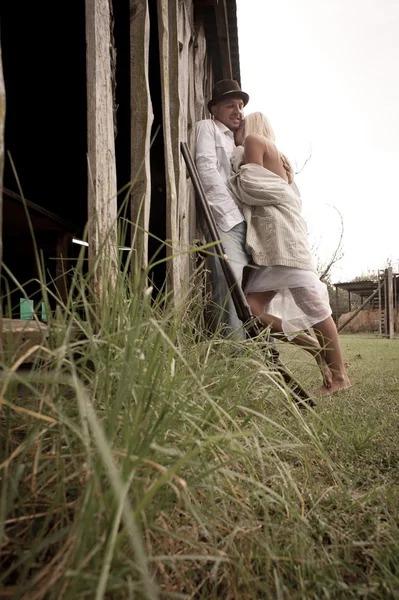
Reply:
x=98 y=95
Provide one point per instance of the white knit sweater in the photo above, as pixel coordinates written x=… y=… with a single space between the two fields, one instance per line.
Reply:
x=276 y=232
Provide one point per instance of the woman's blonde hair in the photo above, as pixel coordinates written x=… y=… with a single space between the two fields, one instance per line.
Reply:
x=257 y=122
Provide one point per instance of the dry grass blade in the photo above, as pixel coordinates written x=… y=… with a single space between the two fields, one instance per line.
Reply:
x=51 y=572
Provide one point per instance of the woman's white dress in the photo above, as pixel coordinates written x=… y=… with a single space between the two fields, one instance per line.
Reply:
x=301 y=299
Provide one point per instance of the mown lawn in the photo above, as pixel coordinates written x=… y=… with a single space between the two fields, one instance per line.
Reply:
x=158 y=463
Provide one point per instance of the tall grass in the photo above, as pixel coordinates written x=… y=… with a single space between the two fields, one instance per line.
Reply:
x=141 y=458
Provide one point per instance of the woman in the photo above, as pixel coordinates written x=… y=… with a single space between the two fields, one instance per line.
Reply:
x=284 y=291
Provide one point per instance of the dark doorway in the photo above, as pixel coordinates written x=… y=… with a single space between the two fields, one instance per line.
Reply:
x=44 y=65
x=156 y=249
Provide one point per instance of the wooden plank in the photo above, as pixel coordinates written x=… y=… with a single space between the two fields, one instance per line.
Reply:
x=19 y=336
x=187 y=38
x=395 y=301
x=336 y=306
x=186 y=213
x=184 y=62
x=141 y=121
x=391 y=314
x=203 y=82
x=2 y=123
x=379 y=304
x=171 y=79
x=203 y=78
x=169 y=119
x=66 y=225
x=386 y=306
x=102 y=191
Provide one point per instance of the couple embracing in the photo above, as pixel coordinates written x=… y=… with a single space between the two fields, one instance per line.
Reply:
x=250 y=186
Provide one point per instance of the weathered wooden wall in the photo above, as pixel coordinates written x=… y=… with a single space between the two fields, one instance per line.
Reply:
x=186 y=80
x=186 y=56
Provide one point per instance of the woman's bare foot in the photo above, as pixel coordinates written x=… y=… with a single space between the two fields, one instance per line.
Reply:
x=339 y=383
x=326 y=374
x=325 y=371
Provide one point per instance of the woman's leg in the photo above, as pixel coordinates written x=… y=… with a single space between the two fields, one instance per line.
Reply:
x=311 y=302
x=327 y=335
x=259 y=302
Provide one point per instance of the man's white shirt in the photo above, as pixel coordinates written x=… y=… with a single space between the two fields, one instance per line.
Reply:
x=213 y=149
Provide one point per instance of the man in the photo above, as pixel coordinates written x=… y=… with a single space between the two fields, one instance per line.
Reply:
x=214 y=147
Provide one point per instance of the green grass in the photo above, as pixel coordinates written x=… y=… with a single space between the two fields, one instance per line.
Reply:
x=156 y=462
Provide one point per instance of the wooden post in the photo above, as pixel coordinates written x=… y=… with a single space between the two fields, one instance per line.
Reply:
x=396 y=279
x=202 y=73
x=168 y=78
x=379 y=304
x=386 y=306
x=140 y=130
x=349 y=301
x=102 y=192
x=187 y=119
x=2 y=123
x=391 y=327
x=176 y=202
x=336 y=306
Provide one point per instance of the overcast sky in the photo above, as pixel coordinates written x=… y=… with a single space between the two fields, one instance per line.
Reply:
x=326 y=73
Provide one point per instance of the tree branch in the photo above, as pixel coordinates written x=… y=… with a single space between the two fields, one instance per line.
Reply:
x=338 y=252
x=305 y=163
